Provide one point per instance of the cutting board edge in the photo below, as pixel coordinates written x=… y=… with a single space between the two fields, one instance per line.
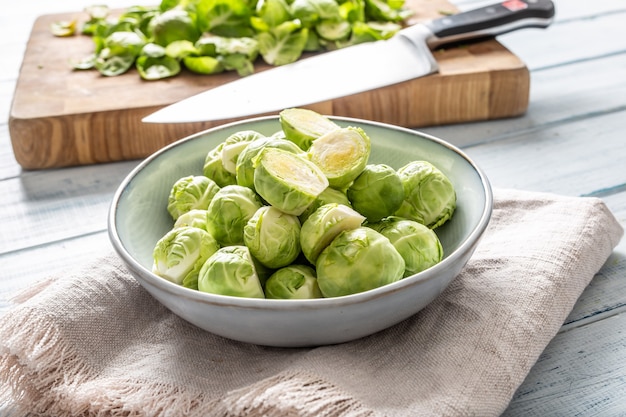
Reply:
x=86 y=138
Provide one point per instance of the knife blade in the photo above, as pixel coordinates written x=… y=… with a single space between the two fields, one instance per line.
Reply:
x=363 y=67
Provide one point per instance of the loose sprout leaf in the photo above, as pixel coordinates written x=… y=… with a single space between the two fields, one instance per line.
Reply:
x=63 y=28
x=277 y=31
x=157 y=68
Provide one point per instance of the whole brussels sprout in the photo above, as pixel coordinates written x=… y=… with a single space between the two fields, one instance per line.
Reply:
x=293 y=282
x=377 y=192
x=429 y=196
x=245 y=166
x=287 y=181
x=193 y=218
x=214 y=168
x=358 y=260
x=329 y=195
x=303 y=126
x=273 y=237
x=234 y=145
x=229 y=211
x=191 y=192
x=179 y=255
x=231 y=271
x=341 y=154
x=418 y=245
x=324 y=225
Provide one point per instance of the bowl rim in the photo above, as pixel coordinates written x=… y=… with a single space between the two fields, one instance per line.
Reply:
x=144 y=274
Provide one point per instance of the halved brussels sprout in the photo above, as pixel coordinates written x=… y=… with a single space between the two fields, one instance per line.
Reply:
x=377 y=192
x=293 y=282
x=329 y=195
x=341 y=154
x=245 y=166
x=179 y=255
x=303 y=126
x=231 y=208
x=273 y=237
x=324 y=225
x=231 y=271
x=429 y=196
x=286 y=180
x=193 y=218
x=214 y=169
x=234 y=145
x=418 y=245
x=358 y=260
x=191 y=192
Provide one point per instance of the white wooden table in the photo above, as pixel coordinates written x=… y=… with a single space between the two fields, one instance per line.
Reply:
x=572 y=141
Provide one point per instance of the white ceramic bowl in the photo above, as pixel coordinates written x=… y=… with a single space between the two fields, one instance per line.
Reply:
x=138 y=218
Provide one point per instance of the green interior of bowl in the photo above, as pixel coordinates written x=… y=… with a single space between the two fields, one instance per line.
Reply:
x=141 y=217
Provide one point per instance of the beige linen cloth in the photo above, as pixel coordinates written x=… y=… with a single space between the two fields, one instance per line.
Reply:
x=94 y=343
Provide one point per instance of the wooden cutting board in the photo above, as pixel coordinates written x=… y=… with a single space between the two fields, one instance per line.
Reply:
x=60 y=117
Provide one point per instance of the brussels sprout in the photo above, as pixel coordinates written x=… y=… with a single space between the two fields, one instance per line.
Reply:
x=358 y=260
x=179 y=255
x=245 y=166
x=342 y=154
x=324 y=225
x=173 y=25
x=229 y=211
x=293 y=282
x=418 y=245
x=329 y=195
x=303 y=126
x=286 y=180
x=193 y=218
x=429 y=196
x=214 y=169
x=191 y=192
x=231 y=271
x=273 y=237
x=377 y=192
x=234 y=145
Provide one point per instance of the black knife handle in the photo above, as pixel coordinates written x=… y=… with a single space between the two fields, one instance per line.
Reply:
x=491 y=20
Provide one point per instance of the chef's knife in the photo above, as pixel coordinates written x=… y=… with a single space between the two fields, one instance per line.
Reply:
x=354 y=69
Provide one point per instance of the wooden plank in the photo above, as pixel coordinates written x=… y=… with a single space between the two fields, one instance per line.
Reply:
x=62 y=118
x=581 y=373
x=570 y=41
x=520 y=161
x=41 y=207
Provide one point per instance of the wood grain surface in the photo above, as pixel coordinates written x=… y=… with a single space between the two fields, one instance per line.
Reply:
x=60 y=117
